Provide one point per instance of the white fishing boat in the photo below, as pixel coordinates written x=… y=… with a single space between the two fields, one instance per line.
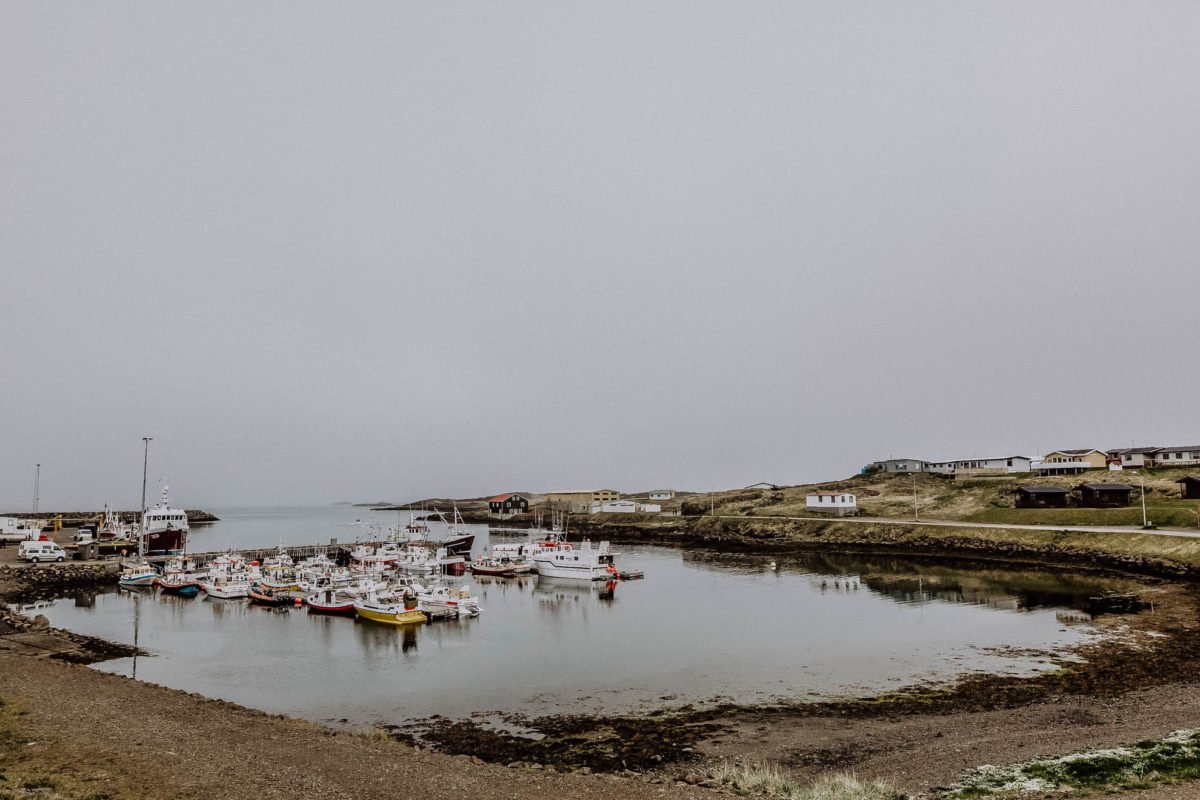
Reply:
x=441 y=601
x=137 y=573
x=586 y=562
x=224 y=587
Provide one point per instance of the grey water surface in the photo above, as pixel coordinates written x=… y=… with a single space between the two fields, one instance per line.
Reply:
x=701 y=626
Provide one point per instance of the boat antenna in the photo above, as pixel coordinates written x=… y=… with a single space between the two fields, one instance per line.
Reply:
x=145 y=464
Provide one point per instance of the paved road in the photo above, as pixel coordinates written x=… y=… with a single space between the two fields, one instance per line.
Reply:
x=1185 y=533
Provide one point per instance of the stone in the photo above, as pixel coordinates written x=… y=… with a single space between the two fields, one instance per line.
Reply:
x=40 y=623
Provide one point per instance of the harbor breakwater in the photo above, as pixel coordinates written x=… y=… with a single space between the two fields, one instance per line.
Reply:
x=73 y=518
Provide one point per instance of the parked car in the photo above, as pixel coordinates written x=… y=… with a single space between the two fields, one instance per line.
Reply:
x=36 y=551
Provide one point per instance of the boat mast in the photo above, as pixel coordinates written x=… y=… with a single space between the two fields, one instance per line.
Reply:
x=145 y=463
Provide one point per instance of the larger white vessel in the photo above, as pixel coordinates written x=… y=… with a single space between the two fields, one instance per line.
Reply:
x=585 y=563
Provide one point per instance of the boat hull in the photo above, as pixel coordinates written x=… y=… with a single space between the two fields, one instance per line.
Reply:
x=391 y=618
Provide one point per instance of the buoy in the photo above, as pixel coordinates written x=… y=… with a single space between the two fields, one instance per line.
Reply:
x=772 y=565
x=299 y=601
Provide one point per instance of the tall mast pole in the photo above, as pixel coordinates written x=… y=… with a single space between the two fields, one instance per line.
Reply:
x=37 y=485
x=145 y=464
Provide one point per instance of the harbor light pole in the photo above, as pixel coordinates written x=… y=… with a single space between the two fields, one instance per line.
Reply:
x=37 y=486
x=145 y=464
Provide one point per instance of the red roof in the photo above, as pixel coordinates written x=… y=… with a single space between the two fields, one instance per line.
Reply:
x=500 y=498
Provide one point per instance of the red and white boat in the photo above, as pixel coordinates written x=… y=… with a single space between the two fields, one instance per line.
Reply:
x=331 y=601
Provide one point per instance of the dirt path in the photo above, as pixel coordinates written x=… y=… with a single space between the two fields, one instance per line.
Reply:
x=1183 y=533
x=129 y=739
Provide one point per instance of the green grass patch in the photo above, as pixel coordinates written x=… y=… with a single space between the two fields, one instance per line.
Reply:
x=1171 y=759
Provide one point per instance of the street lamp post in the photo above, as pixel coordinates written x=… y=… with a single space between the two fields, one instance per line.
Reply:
x=1142 y=478
x=145 y=463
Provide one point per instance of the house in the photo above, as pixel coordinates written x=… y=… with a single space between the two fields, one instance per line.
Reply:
x=661 y=494
x=1103 y=495
x=1133 y=457
x=969 y=467
x=901 y=465
x=614 y=507
x=1070 y=462
x=625 y=507
x=580 y=501
x=1189 y=487
x=762 y=485
x=508 y=504
x=839 y=503
x=1042 y=497
x=1177 y=456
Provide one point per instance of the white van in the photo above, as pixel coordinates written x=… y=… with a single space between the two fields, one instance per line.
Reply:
x=41 y=551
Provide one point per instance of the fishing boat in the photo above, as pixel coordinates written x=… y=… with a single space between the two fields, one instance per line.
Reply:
x=164 y=529
x=389 y=609
x=137 y=573
x=179 y=584
x=267 y=597
x=331 y=601
x=226 y=588
x=586 y=563
x=500 y=568
x=440 y=601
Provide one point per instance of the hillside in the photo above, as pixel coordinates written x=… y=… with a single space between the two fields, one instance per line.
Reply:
x=973 y=500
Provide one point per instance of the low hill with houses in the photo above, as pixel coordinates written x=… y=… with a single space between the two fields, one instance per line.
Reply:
x=986 y=499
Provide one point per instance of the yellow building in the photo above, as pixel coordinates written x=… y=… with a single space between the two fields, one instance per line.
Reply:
x=1067 y=462
x=580 y=501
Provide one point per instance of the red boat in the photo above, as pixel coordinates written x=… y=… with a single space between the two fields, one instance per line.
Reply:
x=330 y=601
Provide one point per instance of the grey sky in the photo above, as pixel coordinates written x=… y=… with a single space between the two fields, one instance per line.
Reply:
x=388 y=250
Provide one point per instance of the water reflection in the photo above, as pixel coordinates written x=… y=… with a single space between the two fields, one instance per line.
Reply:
x=914 y=581
x=806 y=626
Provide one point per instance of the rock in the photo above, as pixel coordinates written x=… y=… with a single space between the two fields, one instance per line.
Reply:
x=40 y=623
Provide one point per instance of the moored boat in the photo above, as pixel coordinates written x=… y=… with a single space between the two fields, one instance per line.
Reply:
x=331 y=601
x=587 y=562
x=389 y=610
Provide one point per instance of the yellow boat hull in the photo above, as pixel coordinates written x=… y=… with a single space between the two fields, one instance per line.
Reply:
x=400 y=618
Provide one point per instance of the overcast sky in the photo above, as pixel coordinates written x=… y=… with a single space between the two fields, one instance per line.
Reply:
x=328 y=251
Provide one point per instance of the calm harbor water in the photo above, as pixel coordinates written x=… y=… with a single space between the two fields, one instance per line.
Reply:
x=701 y=626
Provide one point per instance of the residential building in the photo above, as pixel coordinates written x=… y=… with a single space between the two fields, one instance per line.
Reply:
x=625 y=507
x=840 y=503
x=1189 y=487
x=901 y=465
x=1103 y=495
x=580 y=501
x=1177 y=456
x=1070 y=462
x=1042 y=497
x=510 y=503
x=662 y=494
x=762 y=485
x=1133 y=457
x=968 y=467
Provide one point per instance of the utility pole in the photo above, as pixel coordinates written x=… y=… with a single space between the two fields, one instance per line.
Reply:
x=916 y=513
x=37 y=486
